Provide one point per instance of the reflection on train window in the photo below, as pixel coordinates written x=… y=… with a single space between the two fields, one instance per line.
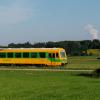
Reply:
x=26 y=55
x=10 y=55
x=2 y=55
x=42 y=54
x=33 y=55
x=17 y=55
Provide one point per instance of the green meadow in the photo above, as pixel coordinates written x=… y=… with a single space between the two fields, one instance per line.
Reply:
x=83 y=62
x=52 y=85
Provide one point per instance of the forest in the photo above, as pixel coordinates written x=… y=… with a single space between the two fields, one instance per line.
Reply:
x=73 y=48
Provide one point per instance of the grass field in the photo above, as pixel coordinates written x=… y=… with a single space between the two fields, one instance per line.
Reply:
x=83 y=62
x=46 y=85
x=52 y=85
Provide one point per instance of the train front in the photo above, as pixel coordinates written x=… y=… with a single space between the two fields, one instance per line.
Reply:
x=63 y=57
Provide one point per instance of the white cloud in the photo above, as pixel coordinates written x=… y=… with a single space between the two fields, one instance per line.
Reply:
x=16 y=12
x=92 y=30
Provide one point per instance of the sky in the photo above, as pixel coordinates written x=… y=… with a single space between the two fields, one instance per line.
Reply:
x=48 y=20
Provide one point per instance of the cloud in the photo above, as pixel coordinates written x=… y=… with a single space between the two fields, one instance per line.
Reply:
x=92 y=30
x=16 y=12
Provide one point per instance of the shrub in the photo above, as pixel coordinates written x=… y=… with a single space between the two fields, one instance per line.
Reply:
x=96 y=73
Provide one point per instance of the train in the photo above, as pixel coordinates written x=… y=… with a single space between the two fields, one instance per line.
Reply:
x=33 y=56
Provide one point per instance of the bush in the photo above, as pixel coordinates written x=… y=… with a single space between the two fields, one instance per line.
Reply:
x=98 y=57
x=96 y=73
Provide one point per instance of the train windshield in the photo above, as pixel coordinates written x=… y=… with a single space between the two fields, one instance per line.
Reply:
x=63 y=54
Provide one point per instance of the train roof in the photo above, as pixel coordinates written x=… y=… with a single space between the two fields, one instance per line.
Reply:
x=30 y=49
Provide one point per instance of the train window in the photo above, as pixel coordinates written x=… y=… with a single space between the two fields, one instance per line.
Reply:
x=57 y=55
x=2 y=55
x=26 y=55
x=10 y=55
x=33 y=55
x=42 y=54
x=51 y=55
x=17 y=55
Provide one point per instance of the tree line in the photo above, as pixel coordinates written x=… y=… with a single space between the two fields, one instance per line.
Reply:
x=72 y=47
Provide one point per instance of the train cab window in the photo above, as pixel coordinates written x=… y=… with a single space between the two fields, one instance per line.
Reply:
x=42 y=54
x=25 y=55
x=10 y=55
x=17 y=55
x=51 y=55
x=33 y=55
x=2 y=55
x=62 y=54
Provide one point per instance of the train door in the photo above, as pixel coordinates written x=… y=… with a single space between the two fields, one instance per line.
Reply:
x=51 y=57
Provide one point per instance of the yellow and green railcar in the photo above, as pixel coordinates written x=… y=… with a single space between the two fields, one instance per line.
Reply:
x=33 y=56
